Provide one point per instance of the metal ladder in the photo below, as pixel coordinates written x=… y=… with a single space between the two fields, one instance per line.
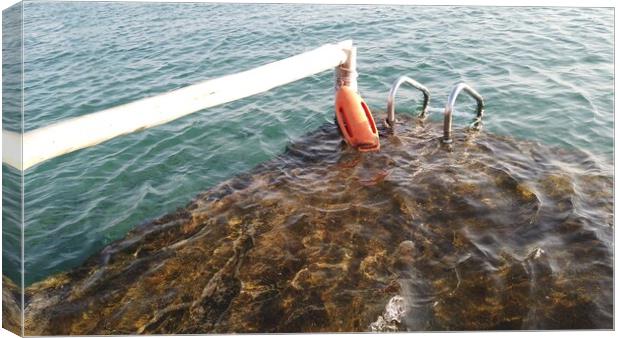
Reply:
x=391 y=118
x=447 y=115
x=447 y=122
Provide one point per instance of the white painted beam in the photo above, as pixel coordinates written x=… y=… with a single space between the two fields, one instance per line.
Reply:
x=12 y=149
x=84 y=131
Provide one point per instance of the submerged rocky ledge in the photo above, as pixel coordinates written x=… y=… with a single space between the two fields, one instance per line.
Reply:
x=489 y=233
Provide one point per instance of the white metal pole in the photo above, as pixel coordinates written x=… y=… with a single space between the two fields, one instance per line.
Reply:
x=88 y=130
x=346 y=73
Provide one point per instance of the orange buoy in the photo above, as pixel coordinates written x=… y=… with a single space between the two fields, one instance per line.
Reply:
x=355 y=121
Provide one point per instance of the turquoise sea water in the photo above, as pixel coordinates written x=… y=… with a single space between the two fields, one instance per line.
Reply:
x=546 y=75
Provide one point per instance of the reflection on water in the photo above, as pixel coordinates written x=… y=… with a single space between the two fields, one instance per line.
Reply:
x=491 y=233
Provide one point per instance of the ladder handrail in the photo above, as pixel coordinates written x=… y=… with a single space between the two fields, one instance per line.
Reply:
x=447 y=122
x=391 y=119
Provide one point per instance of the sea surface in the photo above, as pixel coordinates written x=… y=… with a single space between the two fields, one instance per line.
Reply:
x=546 y=75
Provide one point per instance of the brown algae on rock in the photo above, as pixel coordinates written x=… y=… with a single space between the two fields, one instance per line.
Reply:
x=322 y=238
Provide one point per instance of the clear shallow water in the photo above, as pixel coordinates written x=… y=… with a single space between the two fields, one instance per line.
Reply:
x=546 y=75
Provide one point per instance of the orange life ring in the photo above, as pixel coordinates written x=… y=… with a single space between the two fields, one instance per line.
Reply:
x=355 y=121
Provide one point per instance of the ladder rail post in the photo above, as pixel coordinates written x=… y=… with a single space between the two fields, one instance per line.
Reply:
x=447 y=122
x=391 y=118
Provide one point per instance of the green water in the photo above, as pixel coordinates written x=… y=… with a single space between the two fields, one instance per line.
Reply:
x=546 y=75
